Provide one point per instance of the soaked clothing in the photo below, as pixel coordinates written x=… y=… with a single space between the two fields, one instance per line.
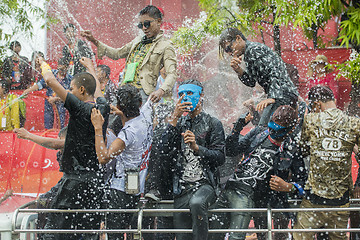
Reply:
x=82 y=183
x=249 y=186
x=210 y=136
x=265 y=67
x=79 y=156
x=137 y=135
x=333 y=219
x=329 y=138
x=137 y=56
x=200 y=194
x=160 y=55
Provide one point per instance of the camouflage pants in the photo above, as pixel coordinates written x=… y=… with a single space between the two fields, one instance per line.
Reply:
x=315 y=220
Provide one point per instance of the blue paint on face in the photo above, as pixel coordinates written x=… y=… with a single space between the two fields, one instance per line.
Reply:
x=192 y=94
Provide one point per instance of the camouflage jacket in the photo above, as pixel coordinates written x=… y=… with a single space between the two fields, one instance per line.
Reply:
x=264 y=66
x=329 y=138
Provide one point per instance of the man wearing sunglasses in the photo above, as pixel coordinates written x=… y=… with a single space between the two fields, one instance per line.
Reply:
x=145 y=56
x=256 y=63
x=328 y=136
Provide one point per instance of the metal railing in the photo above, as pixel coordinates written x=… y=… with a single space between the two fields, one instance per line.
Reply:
x=141 y=212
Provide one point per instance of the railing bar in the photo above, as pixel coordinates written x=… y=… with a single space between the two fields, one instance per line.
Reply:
x=185 y=230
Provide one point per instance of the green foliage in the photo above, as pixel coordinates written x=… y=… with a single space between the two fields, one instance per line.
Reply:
x=17 y=11
x=350 y=29
x=218 y=15
x=350 y=69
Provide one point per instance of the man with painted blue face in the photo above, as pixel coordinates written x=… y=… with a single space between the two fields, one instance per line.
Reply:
x=261 y=179
x=196 y=142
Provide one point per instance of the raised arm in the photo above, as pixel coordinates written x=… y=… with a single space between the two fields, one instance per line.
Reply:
x=50 y=79
x=51 y=143
x=103 y=153
x=88 y=64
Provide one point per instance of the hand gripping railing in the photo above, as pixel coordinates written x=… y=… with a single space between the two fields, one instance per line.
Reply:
x=141 y=212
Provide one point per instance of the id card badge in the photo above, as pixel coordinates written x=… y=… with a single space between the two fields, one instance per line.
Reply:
x=130 y=72
x=132 y=181
x=3 y=122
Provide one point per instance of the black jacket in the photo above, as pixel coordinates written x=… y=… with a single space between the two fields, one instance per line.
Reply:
x=288 y=162
x=210 y=138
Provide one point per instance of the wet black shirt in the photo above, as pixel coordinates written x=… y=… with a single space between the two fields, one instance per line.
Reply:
x=79 y=156
x=253 y=174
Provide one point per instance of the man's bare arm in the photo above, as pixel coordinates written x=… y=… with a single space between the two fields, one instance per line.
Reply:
x=47 y=142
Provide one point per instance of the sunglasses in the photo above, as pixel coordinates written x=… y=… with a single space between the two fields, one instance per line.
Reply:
x=228 y=48
x=146 y=24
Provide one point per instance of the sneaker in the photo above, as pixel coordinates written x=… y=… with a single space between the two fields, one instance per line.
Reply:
x=153 y=195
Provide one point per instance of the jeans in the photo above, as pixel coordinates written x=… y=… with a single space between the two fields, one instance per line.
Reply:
x=198 y=199
x=235 y=220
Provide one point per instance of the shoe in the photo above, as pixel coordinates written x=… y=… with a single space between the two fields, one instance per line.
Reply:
x=153 y=195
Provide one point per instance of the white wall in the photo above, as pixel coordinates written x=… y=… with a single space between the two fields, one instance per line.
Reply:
x=37 y=42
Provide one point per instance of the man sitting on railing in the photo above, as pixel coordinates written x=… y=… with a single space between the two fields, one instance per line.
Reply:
x=328 y=137
x=197 y=143
x=262 y=177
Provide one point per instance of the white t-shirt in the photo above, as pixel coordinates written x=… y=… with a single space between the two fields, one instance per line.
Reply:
x=137 y=135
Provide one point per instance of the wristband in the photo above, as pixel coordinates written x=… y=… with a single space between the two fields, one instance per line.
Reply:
x=45 y=68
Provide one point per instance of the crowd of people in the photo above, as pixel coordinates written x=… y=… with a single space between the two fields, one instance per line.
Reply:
x=127 y=141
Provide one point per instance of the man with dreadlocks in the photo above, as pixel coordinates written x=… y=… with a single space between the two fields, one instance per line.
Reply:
x=261 y=179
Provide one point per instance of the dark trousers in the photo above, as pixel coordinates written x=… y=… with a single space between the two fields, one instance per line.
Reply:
x=198 y=199
x=116 y=199
x=75 y=194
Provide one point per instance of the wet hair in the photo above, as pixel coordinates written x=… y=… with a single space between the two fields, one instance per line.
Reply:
x=285 y=116
x=69 y=25
x=62 y=133
x=163 y=110
x=229 y=35
x=192 y=81
x=129 y=100
x=86 y=80
x=5 y=85
x=320 y=93
x=105 y=69
x=152 y=11
x=14 y=44
x=63 y=61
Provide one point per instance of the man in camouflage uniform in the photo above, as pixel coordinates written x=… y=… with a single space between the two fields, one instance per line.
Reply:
x=328 y=136
x=257 y=63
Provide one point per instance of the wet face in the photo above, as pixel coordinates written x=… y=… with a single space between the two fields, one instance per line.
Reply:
x=150 y=26
x=234 y=48
x=70 y=34
x=75 y=90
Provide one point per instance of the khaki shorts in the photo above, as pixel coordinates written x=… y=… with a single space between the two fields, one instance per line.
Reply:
x=315 y=220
